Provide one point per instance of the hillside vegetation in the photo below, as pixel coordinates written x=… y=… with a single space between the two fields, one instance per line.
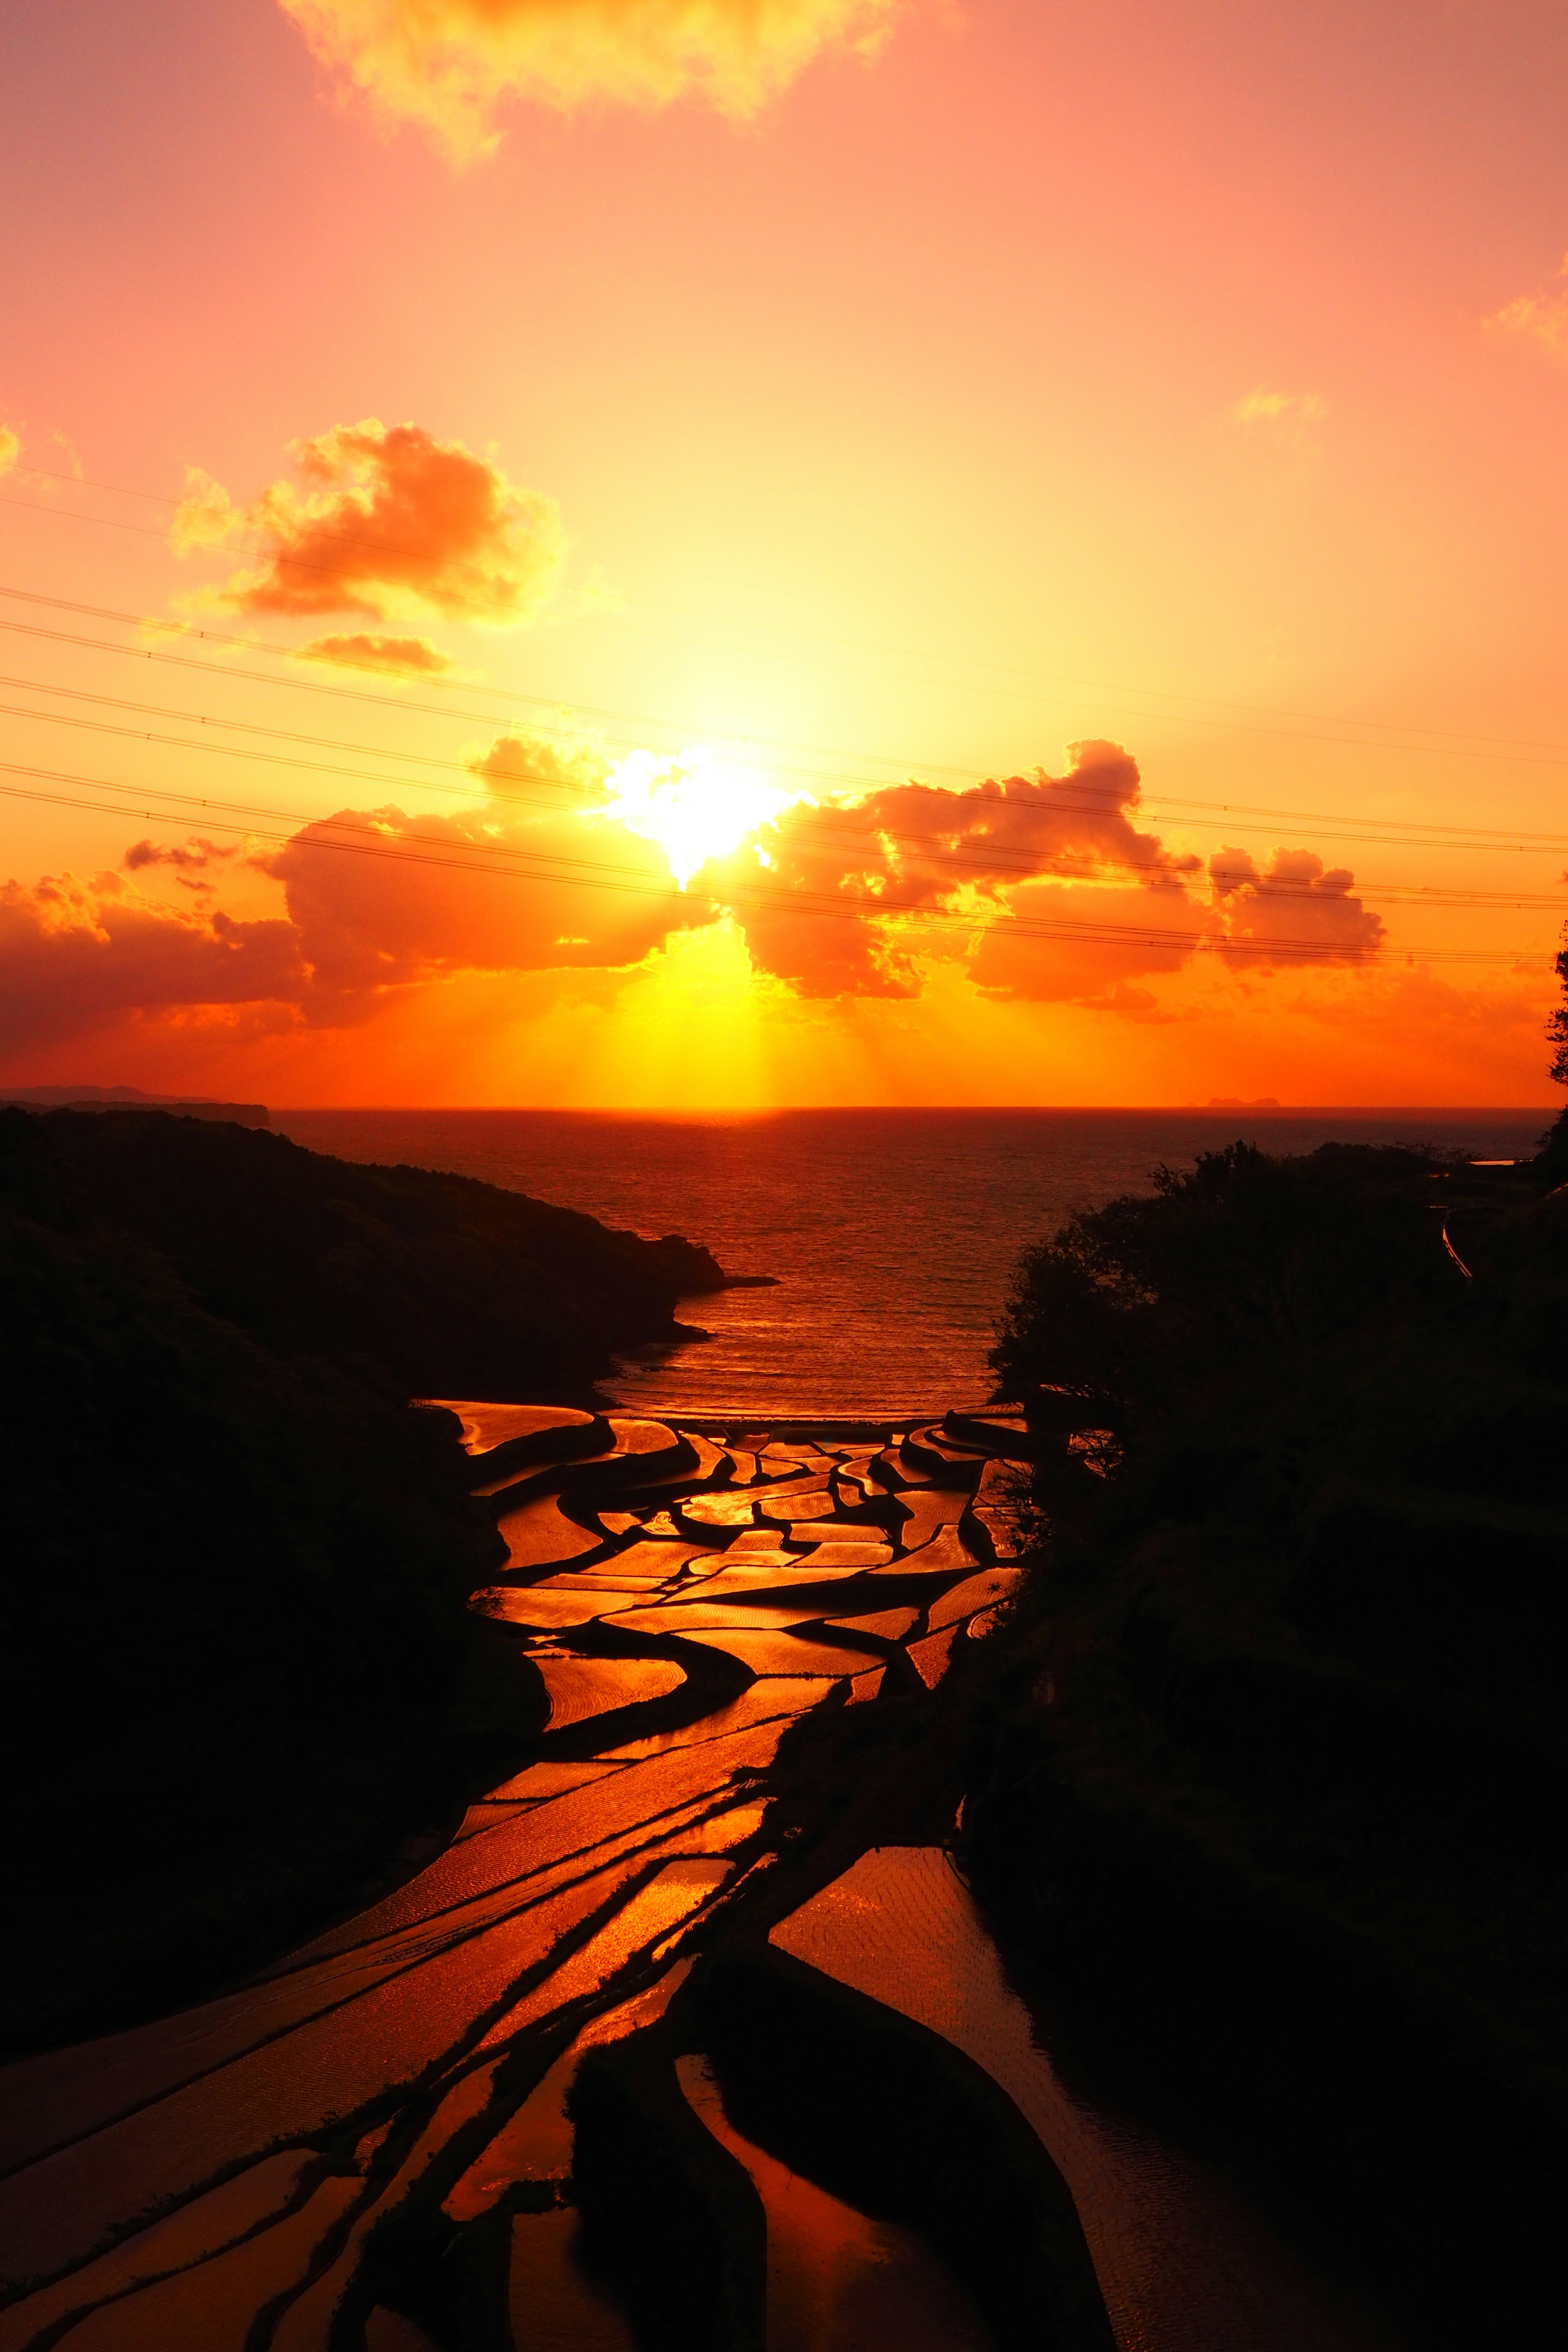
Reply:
x=1273 y=1754
x=238 y=1668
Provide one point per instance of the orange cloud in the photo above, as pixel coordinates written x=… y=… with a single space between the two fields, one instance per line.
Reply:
x=389 y=521
x=73 y=955
x=10 y=448
x=1047 y=890
x=1063 y=896
x=1065 y=942
x=450 y=64
x=1540 y=317
x=1294 y=912
x=390 y=656
x=377 y=903
x=490 y=888
x=825 y=913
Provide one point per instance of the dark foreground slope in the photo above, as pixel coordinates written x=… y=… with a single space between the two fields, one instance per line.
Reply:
x=1273 y=1756
x=450 y=1286
x=237 y=1666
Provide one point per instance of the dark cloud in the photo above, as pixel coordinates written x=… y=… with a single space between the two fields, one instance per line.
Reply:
x=193 y=856
x=75 y=954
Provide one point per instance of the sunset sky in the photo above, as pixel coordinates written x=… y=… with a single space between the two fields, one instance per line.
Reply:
x=765 y=552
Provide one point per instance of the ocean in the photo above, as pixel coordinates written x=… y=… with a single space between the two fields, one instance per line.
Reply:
x=893 y=1234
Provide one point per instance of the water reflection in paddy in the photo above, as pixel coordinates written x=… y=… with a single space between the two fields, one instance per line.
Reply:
x=836 y=2281
x=787 y=1654
x=552 y=2305
x=415 y=2058
x=580 y=1687
x=1184 y=2264
x=536 y=2144
x=776 y=1701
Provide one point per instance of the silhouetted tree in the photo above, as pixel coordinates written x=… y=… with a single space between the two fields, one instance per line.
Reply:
x=1557 y=1027
x=1554 y=1142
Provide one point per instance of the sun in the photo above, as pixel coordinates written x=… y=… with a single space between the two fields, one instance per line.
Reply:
x=693 y=804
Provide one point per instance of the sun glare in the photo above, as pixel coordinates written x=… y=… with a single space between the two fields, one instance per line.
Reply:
x=694 y=805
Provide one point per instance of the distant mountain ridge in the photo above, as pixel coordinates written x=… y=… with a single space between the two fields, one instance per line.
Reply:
x=112 y=1098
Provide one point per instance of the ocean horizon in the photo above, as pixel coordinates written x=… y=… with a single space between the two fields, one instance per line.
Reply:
x=891 y=1234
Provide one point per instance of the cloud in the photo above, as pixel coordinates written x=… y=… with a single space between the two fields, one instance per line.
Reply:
x=1062 y=942
x=1046 y=883
x=1407 y=998
x=1044 y=887
x=524 y=756
x=75 y=954
x=828 y=912
x=497 y=887
x=1293 y=912
x=388 y=521
x=377 y=901
x=390 y=656
x=1541 y=318
x=1291 y=411
x=10 y=448
x=196 y=853
x=450 y=64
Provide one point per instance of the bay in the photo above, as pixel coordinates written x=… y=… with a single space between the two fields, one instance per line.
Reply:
x=892 y=1234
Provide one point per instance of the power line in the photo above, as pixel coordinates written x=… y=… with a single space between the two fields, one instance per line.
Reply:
x=1341 y=742
x=979 y=859
x=1382 y=830
x=1464 y=739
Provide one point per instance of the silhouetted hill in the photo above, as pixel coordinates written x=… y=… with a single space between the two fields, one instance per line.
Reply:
x=238 y=1665
x=1274 y=1754
x=449 y=1286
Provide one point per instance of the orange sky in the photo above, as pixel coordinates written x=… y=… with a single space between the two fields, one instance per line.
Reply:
x=613 y=482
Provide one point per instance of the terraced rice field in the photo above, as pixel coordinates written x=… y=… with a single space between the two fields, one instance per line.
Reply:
x=836 y=2281
x=1184 y=2265
x=214 y=2181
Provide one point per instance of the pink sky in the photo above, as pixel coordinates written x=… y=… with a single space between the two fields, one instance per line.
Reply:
x=862 y=394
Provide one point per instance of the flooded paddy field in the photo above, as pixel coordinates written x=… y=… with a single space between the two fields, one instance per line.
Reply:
x=381 y=2143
